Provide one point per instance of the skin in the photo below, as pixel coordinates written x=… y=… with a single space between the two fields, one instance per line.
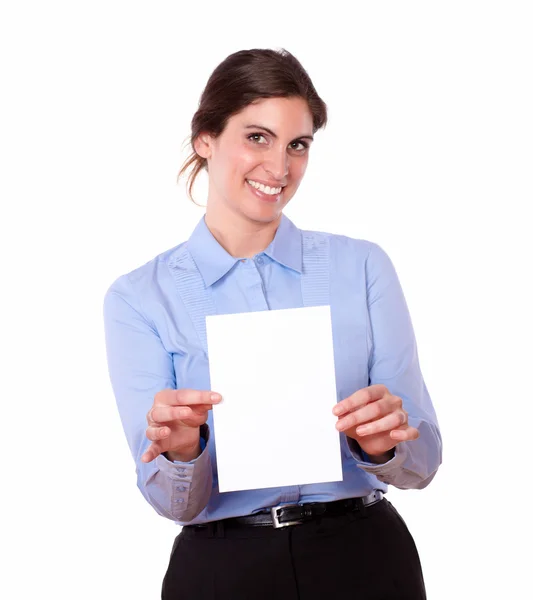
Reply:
x=244 y=223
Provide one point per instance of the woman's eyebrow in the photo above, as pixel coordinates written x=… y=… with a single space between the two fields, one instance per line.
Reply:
x=300 y=137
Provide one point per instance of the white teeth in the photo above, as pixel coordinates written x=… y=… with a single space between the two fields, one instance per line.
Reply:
x=266 y=189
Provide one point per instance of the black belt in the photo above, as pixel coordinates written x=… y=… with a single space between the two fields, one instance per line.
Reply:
x=295 y=514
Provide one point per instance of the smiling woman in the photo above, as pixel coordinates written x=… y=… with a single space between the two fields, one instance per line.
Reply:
x=243 y=79
x=254 y=176
x=252 y=133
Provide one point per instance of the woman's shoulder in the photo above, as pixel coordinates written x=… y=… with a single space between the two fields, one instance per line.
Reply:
x=340 y=242
x=347 y=253
x=145 y=274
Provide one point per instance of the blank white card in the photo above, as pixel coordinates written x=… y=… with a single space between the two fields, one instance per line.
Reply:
x=275 y=371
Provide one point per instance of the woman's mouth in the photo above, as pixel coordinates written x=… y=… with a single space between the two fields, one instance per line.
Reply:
x=265 y=192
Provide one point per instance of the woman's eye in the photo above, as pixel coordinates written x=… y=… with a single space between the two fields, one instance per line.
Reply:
x=294 y=146
x=254 y=137
x=259 y=138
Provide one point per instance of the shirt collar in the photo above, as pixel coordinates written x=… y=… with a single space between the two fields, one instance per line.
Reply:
x=286 y=247
x=213 y=261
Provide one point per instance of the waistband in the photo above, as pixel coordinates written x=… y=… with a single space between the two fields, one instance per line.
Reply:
x=287 y=515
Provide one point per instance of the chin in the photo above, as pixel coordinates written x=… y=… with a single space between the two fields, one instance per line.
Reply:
x=263 y=214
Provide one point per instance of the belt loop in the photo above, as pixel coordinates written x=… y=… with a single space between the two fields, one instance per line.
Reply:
x=361 y=508
x=215 y=529
x=220 y=529
x=211 y=529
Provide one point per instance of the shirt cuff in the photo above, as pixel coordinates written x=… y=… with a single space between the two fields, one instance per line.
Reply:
x=381 y=471
x=204 y=438
x=185 y=486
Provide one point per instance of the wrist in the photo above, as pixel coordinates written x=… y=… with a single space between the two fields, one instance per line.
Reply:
x=185 y=455
x=380 y=459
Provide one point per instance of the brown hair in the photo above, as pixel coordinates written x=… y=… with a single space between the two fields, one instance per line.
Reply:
x=243 y=78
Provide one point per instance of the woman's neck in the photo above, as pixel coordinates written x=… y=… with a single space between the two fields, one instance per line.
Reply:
x=241 y=237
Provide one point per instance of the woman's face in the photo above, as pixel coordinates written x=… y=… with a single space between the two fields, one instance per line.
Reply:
x=257 y=163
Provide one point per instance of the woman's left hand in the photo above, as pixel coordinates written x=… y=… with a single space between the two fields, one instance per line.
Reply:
x=375 y=419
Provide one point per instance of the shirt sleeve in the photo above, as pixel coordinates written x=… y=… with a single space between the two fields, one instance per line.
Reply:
x=394 y=362
x=139 y=367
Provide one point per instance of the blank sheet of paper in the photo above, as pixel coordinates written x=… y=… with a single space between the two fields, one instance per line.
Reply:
x=275 y=371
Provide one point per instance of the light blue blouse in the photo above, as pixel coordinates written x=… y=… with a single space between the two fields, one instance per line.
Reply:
x=155 y=338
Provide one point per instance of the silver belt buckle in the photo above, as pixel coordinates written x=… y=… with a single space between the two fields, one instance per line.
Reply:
x=275 y=518
x=373 y=498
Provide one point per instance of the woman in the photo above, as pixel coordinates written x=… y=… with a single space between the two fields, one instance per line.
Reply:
x=252 y=133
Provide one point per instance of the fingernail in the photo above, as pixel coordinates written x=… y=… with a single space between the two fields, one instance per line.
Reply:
x=215 y=397
x=363 y=430
x=336 y=410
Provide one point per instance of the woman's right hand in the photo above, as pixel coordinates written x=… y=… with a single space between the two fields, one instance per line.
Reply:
x=174 y=423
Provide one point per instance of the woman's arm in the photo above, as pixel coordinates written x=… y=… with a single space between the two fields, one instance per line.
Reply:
x=139 y=367
x=394 y=363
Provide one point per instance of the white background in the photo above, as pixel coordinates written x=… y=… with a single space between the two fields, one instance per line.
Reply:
x=428 y=152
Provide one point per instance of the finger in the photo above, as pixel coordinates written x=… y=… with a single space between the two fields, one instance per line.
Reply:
x=360 y=398
x=392 y=421
x=194 y=420
x=153 y=451
x=185 y=397
x=165 y=413
x=370 y=412
x=157 y=433
x=405 y=434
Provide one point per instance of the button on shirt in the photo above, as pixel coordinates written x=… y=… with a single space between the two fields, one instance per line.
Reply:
x=155 y=334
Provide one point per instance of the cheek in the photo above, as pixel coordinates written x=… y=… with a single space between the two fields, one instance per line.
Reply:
x=298 y=168
x=246 y=160
x=237 y=164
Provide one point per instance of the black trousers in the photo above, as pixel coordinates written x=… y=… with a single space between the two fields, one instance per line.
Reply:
x=364 y=556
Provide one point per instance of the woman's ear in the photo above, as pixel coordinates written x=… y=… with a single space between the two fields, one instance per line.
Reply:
x=202 y=145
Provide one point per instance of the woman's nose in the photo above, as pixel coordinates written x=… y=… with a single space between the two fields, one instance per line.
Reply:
x=277 y=165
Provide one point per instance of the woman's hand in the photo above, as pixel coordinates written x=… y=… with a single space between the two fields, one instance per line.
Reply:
x=174 y=423
x=375 y=419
